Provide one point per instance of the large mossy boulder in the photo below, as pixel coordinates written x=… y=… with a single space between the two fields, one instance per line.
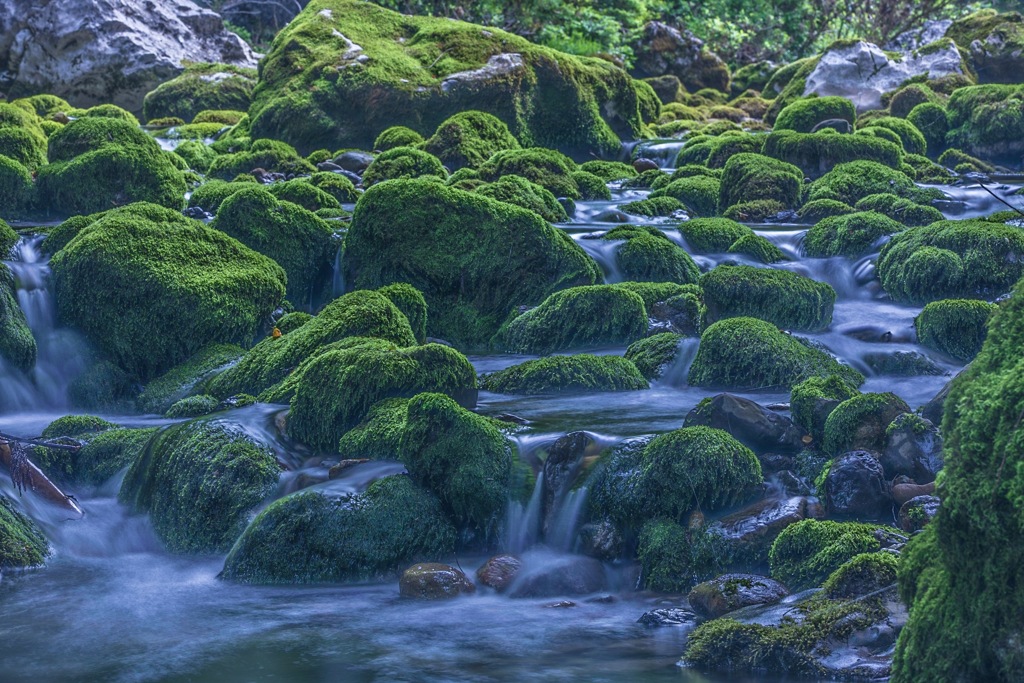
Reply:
x=952 y=259
x=17 y=345
x=752 y=177
x=580 y=317
x=806 y=553
x=469 y=138
x=341 y=67
x=784 y=298
x=860 y=423
x=299 y=241
x=955 y=326
x=648 y=255
x=519 y=191
x=852 y=235
x=311 y=537
x=986 y=121
x=270 y=155
x=852 y=181
x=994 y=42
x=815 y=154
x=22 y=543
x=804 y=115
x=199 y=481
x=201 y=87
x=747 y=353
x=474 y=259
x=582 y=373
x=150 y=287
x=964 y=625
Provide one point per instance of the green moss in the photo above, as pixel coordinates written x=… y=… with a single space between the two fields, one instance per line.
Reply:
x=927 y=171
x=932 y=120
x=609 y=171
x=403 y=162
x=591 y=187
x=356 y=314
x=860 y=422
x=964 y=163
x=781 y=297
x=986 y=121
x=955 y=326
x=861 y=575
x=107 y=453
x=851 y=235
x=21 y=136
x=806 y=553
x=303 y=193
x=270 y=155
x=903 y=101
x=309 y=537
x=746 y=353
x=211 y=194
x=474 y=259
x=226 y=117
x=698 y=193
x=911 y=138
x=150 y=287
x=22 y=544
x=850 y=182
x=470 y=138
x=397 y=136
x=44 y=105
x=336 y=185
x=547 y=168
x=951 y=259
x=103 y=386
x=521 y=192
x=759 y=248
x=201 y=87
x=300 y=242
x=335 y=389
x=653 y=354
x=813 y=399
x=751 y=177
x=199 y=481
x=673 y=559
x=411 y=303
x=645 y=180
x=712 y=235
x=816 y=154
x=76 y=425
x=15 y=187
x=581 y=373
x=756 y=211
x=17 y=345
x=803 y=115
x=899 y=209
x=198 y=155
x=653 y=207
x=645 y=257
x=193 y=406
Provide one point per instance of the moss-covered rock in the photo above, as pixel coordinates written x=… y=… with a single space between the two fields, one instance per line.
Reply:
x=784 y=298
x=712 y=235
x=15 y=187
x=547 y=168
x=270 y=155
x=582 y=373
x=396 y=136
x=22 y=544
x=747 y=353
x=303 y=193
x=674 y=559
x=356 y=314
x=411 y=303
x=521 y=192
x=806 y=553
x=309 y=537
x=21 y=136
x=106 y=451
x=816 y=154
x=150 y=287
x=650 y=256
x=862 y=575
x=955 y=326
x=201 y=87
x=850 y=182
x=299 y=241
x=335 y=389
x=653 y=354
x=469 y=138
x=814 y=399
x=851 y=235
x=993 y=41
x=592 y=188
x=699 y=194
x=910 y=137
x=198 y=155
x=403 y=162
x=905 y=211
x=199 y=481
x=820 y=209
x=986 y=121
x=860 y=423
x=193 y=406
x=177 y=383
x=803 y=115
x=17 y=345
x=752 y=177
x=932 y=120
x=653 y=207
x=608 y=171
x=952 y=259
x=473 y=258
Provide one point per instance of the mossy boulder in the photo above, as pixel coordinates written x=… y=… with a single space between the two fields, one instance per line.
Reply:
x=357 y=314
x=803 y=115
x=673 y=558
x=519 y=191
x=712 y=235
x=933 y=121
x=860 y=423
x=747 y=353
x=819 y=209
x=270 y=155
x=852 y=181
x=816 y=154
x=198 y=88
x=106 y=450
x=656 y=207
x=198 y=155
x=303 y=193
x=653 y=354
x=905 y=211
x=582 y=373
x=806 y=553
x=863 y=574
x=545 y=167
x=910 y=137
x=310 y=537
x=580 y=317
x=21 y=136
x=751 y=177
x=699 y=194
x=193 y=406
x=814 y=399
x=403 y=162
x=199 y=481
x=608 y=171
x=211 y=194
x=592 y=188
x=411 y=303
x=952 y=259
x=15 y=187
x=783 y=298
x=396 y=136
x=955 y=326
x=296 y=239
x=648 y=255
x=177 y=383
x=986 y=121
x=17 y=345
x=336 y=185
x=469 y=138
x=993 y=41
x=473 y=258
x=150 y=287
x=851 y=235
x=22 y=543
x=340 y=67
x=335 y=389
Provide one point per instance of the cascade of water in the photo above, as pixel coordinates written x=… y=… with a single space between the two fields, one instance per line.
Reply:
x=676 y=373
x=662 y=152
x=338 y=277
x=605 y=252
x=562 y=535
x=522 y=524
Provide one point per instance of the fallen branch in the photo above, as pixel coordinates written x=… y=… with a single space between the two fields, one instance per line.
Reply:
x=26 y=475
x=41 y=442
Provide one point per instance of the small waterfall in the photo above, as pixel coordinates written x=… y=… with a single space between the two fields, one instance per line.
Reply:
x=522 y=524
x=677 y=372
x=60 y=354
x=562 y=535
x=662 y=152
x=338 y=276
x=605 y=252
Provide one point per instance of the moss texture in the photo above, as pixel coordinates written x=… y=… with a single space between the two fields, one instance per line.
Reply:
x=581 y=373
x=396 y=136
x=783 y=298
x=860 y=422
x=806 y=553
x=270 y=155
x=752 y=177
x=813 y=399
x=403 y=162
x=902 y=210
x=519 y=191
x=469 y=138
x=201 y=87
x=851 y=235
x=957 y=327
x=816 y=154
x=17 y=345
x=850 y=182
x=803 y=115
x=653 y=354
x=22 y=544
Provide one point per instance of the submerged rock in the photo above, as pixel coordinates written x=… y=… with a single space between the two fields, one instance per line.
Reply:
x=565 y=575
x=433 y=581
x=669 y=616
x=755 y=427
x=499 y=572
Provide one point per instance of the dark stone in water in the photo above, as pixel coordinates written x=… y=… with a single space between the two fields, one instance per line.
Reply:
x=433 y=581
x=669 y=616
x=569 y=206
x=568 y=575
x=499 y=572
x=902 y=364
x=197 y=213
x=337 y=470
x=913 y=447
x=917 y=512
x=753 y=529
x=601 y=540
x=759 y=429
x=731 y=592
x=562 y=469
x=642 y=164
x=354 y=162
x=611 y=216
x=328 y=166
x=855 y=486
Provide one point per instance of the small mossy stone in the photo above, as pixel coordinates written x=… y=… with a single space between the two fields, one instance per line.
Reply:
x=803 y=115
x=396 y=136
x=957 y=327
x=862 y=575
x=806 y=553
x=786 y=299
x=22 y=543
x=653 y=354
x=814 y=399
x=403 y=162
x=860 y=422
x=469 y=138
x=519 y=191
x=582 y=373
x=851 y=235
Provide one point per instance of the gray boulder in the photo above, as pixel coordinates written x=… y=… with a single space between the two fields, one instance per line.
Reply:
x=664 y=50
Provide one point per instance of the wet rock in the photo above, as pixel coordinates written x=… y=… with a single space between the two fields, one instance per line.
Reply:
x=197 y=213
x=792 y=484
x=775 y=462
x=499 y=572
x=569 y=206
x=994 y=43
x=730 y=592
x=917 y=512
x=567 y=575
x=338 y=470
x=433 y=581
x=675 y=316
x=665 y=50
x=601 y=540
x=855 y=486
x=902 y=364
x=913 y=447
x=107 y=51
x=643 y=164
x=562 y=469
x=310 y=478
x=904 y=490
x=934 y=409
x=354 y=162
x=561 y=604
x=328 y=166
x=611 y=216
x=862 y=72
x=757 y=428
x=752 y=530
x=669 y=616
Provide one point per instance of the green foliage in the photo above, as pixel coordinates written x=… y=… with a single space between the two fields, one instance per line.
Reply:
x=397 y=136
x=812 y=400
x=469 y=138
x=803 y=115
x=783 y=298
x=860 y=422
x=955 y=326
x=806 y=553
x=199 y=481
x=747 y=353
x=198 y=88
x=653 y=354
x=581 y=373
x=851 y=235
x=309 y=537
x=150 y=287
x=673 y=559
x=751 y=177
x=403 y=162
x=22 y=544
x=521 y=192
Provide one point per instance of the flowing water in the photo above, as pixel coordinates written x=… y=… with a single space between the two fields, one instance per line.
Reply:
x=112 y=605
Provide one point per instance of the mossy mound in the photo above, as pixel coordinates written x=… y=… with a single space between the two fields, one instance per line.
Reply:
x=814 y=399
x=851 y=235
x=545 y=167
x=17 y=345
x=653 y=354
x=193 y=406
x=469 y=138
x=403 y=162
x=411 y=303
x=105 y=451
x=199 y=481
x=198 y=88
x=211 y=194
x=699 y=194
x=816 y=154
x=299 y=241
x=862 y=575
x=955 y=326
x=753 y=177
x=396 y=136
x=905 y=211
x=648 y=255
x=910 y=137
x=335 y=389
x=336 y=185
x=582 y=373
x=653 y=207
x=850 y=182
x=986 y=121
x=15 y=187
x=592 y=188
x=198 y=155
x=786 y=299
x=473 y=258
x=674 y=559
x=609 y=171
x=177 y=383
x=309 y=537
x=580 y=317
x=758 y=248
x=713 y=235
x=747 y=353
x=270 y=155
x=952 y=259
x=150 y=287
x=932 y=120
x=21 y=136
x=803 y=115
x=340 y=67
x=22 y=544
x=860 y=422
x=806 y=553
x=519 y=191
x=303 y=193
